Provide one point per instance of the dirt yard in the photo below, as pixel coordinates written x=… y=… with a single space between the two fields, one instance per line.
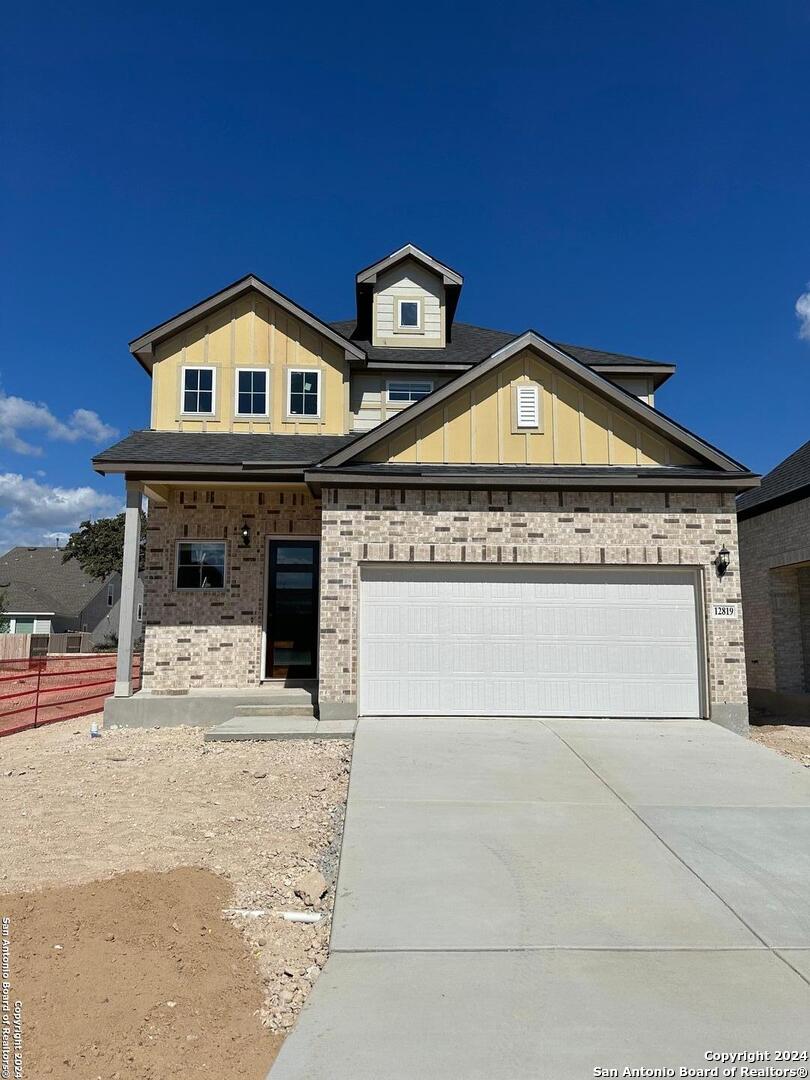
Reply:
x=792 y=740
x=154 y=945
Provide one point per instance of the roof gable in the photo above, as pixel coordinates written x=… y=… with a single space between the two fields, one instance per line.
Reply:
x=143 y=347
x=409 y=251
x=586 y=420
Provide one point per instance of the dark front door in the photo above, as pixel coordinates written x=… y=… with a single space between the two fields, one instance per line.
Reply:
x=292 y=610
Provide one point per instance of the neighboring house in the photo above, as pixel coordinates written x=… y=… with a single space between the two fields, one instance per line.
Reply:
x=43 y=595
x=424 y=516
x=774 y=525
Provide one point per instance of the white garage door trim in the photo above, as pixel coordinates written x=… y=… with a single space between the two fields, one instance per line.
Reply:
x=529 y=640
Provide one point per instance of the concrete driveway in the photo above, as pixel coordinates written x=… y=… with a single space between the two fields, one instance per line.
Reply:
x=537 y=900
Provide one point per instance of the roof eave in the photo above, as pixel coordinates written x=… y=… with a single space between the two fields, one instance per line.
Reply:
x=658 y=372
x=164 y=470
x=481 y=478
x=774 y=503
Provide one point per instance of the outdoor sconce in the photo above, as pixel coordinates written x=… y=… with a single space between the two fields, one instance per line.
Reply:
x=245 y=534
x=721 y=562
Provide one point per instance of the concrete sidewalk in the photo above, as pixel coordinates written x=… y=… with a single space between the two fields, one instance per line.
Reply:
x=534 y=900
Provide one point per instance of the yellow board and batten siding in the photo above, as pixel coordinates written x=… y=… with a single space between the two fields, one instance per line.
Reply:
x=251 y=332
x=578 y=426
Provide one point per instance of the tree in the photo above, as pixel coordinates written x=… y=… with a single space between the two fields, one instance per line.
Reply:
x=98 y=546
x=4 y=623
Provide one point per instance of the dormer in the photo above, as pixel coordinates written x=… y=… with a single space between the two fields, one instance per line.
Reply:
x=407 y=300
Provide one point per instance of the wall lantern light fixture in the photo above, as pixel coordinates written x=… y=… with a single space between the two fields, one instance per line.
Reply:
x=245 y=534
x=721 y=562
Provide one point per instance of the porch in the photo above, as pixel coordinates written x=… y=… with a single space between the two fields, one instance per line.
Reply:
x=231 y=584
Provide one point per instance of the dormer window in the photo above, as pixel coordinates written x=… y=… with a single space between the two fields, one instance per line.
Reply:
x=409 y=315
x=407 y=300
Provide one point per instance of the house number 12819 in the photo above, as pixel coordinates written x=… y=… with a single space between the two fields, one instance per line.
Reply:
x=724 y=611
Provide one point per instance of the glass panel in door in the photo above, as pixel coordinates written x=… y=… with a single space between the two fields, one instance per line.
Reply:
x=292 y=610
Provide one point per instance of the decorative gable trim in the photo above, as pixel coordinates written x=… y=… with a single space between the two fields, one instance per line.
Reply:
x=448 y=275
x=143 y=347
x=531 y=339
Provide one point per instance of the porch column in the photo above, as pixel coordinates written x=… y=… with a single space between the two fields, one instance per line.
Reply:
x=129 y=584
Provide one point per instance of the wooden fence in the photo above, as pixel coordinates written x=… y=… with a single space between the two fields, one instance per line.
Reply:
x=20 y=646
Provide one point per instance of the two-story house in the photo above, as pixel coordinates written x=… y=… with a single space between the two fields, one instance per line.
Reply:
x=423 y=516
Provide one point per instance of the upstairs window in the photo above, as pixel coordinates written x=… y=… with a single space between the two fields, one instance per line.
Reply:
x=251 y=392
x=527 y=407
x=409 y=314
x=198 y=390
x=200 y=564
x=402 y=393
x=110 y=595
x=304 y=394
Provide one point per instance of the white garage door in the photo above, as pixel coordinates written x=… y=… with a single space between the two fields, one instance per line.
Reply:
x=528 y=641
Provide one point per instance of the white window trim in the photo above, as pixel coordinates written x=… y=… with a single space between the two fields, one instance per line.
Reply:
x=200 y=540
x=300 y=417
x=420 y=309
x=198 y=367
x=251 y=415
x=407 y=382
x=139 y=612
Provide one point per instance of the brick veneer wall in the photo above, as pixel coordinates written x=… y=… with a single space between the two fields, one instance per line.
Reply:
x=213 y=638
x=777 y=626
x=622 y=528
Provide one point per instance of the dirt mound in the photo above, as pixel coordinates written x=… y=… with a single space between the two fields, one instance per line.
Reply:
x=138 y=976
x=790 y=739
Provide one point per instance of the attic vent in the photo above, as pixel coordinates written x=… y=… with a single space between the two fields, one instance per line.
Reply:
x=527 y=406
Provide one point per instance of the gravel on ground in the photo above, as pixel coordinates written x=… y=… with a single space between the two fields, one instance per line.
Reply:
x=265 y=818
x=788 y=737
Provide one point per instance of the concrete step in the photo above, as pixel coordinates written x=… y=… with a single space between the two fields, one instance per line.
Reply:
x=262 y=728
x=276 y=708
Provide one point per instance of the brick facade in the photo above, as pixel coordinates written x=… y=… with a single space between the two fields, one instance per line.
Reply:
x=776 y=590
x=585 y=527
x=213 y=639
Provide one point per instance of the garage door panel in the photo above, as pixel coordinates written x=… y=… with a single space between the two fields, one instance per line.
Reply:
x=528 y=641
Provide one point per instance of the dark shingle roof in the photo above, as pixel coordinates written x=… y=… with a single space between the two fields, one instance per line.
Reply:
x=789 y=481
x=215 y=448
x=25 y=599
x=471 y=344
x=36 y=579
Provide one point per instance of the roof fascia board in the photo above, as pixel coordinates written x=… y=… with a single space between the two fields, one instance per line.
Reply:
x=36 y=614
x=660 y=371
x=575 y=368
x=632 y=369
x=389 y=365
x=143 y=347
x=497 y=480
x=369 y=274
x=142 y=469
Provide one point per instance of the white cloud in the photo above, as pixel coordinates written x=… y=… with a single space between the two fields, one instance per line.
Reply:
x=37 y=514
x=803 y=314
x=17 y=415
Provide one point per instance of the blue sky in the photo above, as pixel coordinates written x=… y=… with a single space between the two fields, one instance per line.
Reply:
x=632 y=176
